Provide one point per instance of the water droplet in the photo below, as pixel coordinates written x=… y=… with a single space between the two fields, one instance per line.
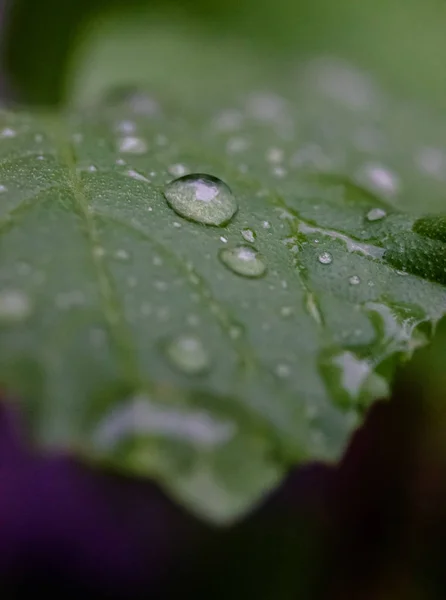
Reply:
x=132 y=145
x=7 y=132
x=243 y=260
x=266 y=225
x=283 y=371
x=122 y=255
x=325 y=258
x=135 y=175
x=274 y=155
x=3 y=189
x=223 y=239
x=248 y=235
x=201 y=198
x=376 y=214
x=126 y=127
x=188 y=354
x=139 y=416
x=380 y=178
x=354 y=280
x=91 y=168
x=14 y=306
x=237 y=144
x=235 y=331
x=286 y=311
x=177 y=170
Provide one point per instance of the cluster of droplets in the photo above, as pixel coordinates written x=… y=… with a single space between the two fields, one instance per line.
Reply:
x=207 y=200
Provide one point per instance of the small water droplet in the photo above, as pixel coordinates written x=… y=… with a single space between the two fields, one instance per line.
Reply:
x=274 y=155
x=376 y=214
x=237 y=144
x=3 y=189
x=286 y=311
x=188 y=354
x=7 y=132
x=223 y=239
x=380 y=178
x=283 y=371
x=235 y=331
x=266 y=225
x=201 y=198
x=122 y=255
x=14 y=306
x=132 y=145
x=243 y=260
x=126 y=127
x=325 y=258
x=354 y=280
x=248 y=235
x=177 y=170
x=135 y=175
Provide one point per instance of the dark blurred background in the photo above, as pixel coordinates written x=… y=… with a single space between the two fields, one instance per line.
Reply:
x=403 y=42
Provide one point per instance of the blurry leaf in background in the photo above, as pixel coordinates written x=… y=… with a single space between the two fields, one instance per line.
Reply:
x=402 y=43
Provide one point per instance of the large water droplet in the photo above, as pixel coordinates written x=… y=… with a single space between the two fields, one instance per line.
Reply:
x=243 y=260
x=201 y=198
x=325 y=258
x=187 y=353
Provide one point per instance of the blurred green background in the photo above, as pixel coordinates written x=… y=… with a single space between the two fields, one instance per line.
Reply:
x=403 y=42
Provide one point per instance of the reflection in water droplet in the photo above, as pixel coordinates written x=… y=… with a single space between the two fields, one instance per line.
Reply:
x=354 y=280
x=201 y=198
x=248 y=235
x=325 y=258
x=14 y=306
x=188 y=354
x=243 y=260
x=376 y=214
x=132 y=145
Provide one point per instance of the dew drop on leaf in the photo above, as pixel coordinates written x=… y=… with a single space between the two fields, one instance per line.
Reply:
x=201 y=198
x=325 y=258
x=354 y=280
x=132 y=145
x=376 y=214
x=248 y=235
x=243 y=260
x=187 y=354
x=14 y=306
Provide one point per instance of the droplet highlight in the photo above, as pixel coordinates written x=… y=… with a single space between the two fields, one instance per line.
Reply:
x=376 y=214
x=248 y=235
x=201 y=198
x=188 y=354
x=325 y=258
x=243 y=260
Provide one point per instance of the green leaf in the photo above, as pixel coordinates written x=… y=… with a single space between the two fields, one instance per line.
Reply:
x=130 y=334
